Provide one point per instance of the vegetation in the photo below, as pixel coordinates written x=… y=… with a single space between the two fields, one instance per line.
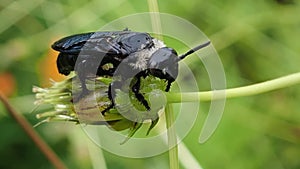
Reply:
x=256 y=41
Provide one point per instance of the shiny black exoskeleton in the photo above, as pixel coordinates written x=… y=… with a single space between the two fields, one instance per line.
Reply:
x=129 y=54
x=97 y=49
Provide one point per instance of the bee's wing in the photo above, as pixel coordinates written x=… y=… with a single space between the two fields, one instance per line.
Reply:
x=103 y=42
x=72 y=44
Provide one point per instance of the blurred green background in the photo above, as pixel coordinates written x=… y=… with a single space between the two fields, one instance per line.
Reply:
x=257 y=40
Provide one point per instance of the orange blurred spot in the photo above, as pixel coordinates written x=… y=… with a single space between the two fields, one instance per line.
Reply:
x=7 y=83
x=48 y=69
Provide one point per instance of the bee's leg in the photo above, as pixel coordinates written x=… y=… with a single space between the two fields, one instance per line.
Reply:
x=111 y=95
x=84 y=90
x=136 y=90
x=169 y=82
x=82 y=72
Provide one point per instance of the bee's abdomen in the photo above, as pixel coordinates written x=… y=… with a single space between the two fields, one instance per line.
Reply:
x=66 y=63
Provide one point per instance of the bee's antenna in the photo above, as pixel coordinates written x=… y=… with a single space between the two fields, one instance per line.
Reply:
x=194 y=50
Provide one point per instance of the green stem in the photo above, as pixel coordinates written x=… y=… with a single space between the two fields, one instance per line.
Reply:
x=172 y=139
x=255 y=89
x=155 y=18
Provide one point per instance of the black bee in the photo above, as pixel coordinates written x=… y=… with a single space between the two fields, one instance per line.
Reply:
x=124 y=54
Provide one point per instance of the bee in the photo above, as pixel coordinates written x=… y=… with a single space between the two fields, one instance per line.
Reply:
x=124 y=54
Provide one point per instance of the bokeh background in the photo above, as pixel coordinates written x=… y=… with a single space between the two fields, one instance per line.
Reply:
x=256 y=40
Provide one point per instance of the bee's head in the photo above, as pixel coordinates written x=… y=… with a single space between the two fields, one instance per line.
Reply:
x=164 y=62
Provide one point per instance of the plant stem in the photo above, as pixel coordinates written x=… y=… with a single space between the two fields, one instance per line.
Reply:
x=39 y=142
x=155 y=18
x=255 y=89
x=172 y=139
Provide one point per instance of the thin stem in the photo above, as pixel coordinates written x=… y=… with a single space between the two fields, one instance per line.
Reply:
x=25 y=125
x=255 y=89
x=172 y=139
x=155 y=18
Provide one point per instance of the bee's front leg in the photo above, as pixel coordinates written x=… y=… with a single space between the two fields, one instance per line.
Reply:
x=136 y=90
